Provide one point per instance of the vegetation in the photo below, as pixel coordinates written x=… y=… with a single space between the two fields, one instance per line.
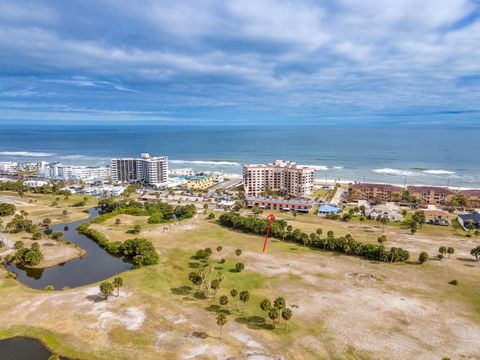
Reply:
x=7 y=209
x=423 y=257
x=140 y=251
x=106 y=288
x=28 y=257
x=344 y=244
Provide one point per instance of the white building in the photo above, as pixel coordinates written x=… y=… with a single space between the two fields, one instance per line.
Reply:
x=73 y=172
x=103 y=191
x=8 y=167
x=147 y=169
x=283 y=176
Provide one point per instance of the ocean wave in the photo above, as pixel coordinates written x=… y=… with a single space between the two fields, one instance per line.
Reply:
x=439 y=172
x=337 y=167
x=26 y=153
x=396 y=172
x=206 y=162
x=317 y=167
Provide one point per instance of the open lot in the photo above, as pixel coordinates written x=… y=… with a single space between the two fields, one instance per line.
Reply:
x=343 y=307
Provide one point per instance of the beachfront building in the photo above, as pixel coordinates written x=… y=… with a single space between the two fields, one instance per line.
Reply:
x=281 y=176
x=199 y=182
x=432 y=195
x=147 y=169
x=382 y=192
x=280 y=204
x=58 y=171
x=8 y=167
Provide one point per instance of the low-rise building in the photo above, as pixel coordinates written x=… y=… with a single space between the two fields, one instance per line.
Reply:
x=199 y=182
x=465 y=219
x=326 y=209
x=433 y=195
x=382 y=192
x=103 y=191
x=280 y=204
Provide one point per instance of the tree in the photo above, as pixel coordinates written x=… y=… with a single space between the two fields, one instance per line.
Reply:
x=221 y=321
x=286 y=314
x=195 y=278
x=476 y=233
x=362 y=219
x=442 y=250
x=279 y=303
x=219 y=248
x=211 y=216
x=215 y=285
x=419 y=217
x=64 y=214
x=106 y=288
x=273 y=314
x=475 y=252
x=233 y=294
x=118 y=221
x=256 y=211
x=319 y=232
x=244 y=297
x=265 y=305
x=46 y=222
x=238 y=252
x=223 y=300
x=382 y=240
x=330 y=234
x=423 y=257
x=239 y=267
x=413 y=227
x=294 y=213
x=362 y=209
x=470 y=227
x=450 y=251
x=118 y=283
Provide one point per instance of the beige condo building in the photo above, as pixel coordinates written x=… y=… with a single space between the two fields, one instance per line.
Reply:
x=283 y=176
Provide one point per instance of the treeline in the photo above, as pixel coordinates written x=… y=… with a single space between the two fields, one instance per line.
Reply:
x=344 y=244
x=140 y=251
x=158 y=212
x=19 y=186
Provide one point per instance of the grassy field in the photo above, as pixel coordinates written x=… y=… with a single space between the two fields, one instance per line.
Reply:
x=343 y=307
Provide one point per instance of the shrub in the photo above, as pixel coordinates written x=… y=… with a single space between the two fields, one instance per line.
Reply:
x=211 y=216
x=7 y=209
x=423 y=257
x=453 y=282
x=48 y=288
x=18 y=245
x=141 y=251
x=239 y=267
x=79 y=204
x=135 y=230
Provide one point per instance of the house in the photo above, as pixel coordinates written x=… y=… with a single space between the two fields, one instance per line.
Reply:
x=465 y=219
x=432 y=194
x=326 y=209
x=437 y=217
x=384 y=192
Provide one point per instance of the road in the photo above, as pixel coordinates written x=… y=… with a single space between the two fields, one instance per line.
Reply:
x=338 y=197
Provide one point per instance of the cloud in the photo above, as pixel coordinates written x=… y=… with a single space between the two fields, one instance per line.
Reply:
x=260 y=57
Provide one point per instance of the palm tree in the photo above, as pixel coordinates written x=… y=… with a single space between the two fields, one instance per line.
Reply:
x=221 y=321
x=223 y=300
x=273 y=314
x=294 y=213
x=106 y=288
x=442 y=250
x=279 y=303
x=265 y=305
x=233 y=294
x=450 y=251
x=238 y=252
x=286 y=314
x=244 y=297
x=476 y=233
x=118 y=282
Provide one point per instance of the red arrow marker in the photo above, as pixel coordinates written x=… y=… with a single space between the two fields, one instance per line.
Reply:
x=270 y=218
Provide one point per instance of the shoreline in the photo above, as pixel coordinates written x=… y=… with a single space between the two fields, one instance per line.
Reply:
x=319 y=182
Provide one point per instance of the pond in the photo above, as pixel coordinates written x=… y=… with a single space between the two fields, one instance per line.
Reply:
x=23 y=348
x=96 y=265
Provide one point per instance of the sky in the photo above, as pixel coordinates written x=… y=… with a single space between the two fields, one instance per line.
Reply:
x=248 y=61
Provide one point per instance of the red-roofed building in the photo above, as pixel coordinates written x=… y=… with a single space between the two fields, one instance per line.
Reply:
x=384 y=192
x=433 y=195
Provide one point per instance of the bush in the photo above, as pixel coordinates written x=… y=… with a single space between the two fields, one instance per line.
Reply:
x=453 y=282
x=18 y=245
x=423 y=257
x=79 y=204
x=239 y=267
x=135 y=230
x=48 y=288
x=7 y=209
x=156 y=219
x=37 y=235
x=141 y=251
x=57 y=235
x=211 y=216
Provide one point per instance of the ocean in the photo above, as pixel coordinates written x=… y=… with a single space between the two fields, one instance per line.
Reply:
x=416 y=154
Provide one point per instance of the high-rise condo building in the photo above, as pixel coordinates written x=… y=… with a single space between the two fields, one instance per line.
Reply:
x=147 y=169
x=282 y=176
